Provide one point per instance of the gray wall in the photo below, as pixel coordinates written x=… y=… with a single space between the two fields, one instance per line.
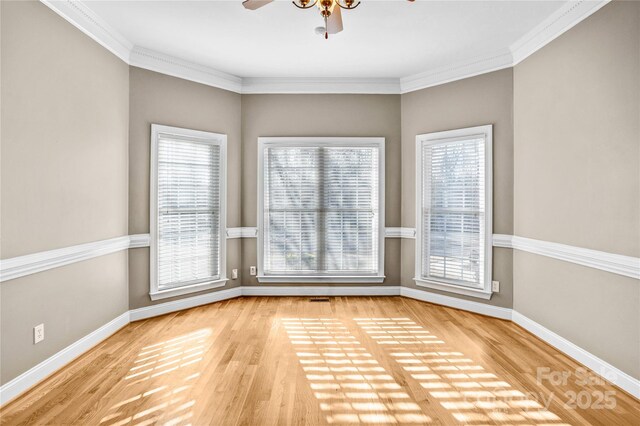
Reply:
x=321 y=115
x=64 y=178
x=75 y=168
x=161 y=99
x=577 y=181
x=486 y=99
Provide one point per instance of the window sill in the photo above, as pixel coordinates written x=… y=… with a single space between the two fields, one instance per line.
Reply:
x=320 y=279
x=179 y=291
x=451 y=288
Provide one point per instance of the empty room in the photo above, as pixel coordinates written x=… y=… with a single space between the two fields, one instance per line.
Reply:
x=320 y=212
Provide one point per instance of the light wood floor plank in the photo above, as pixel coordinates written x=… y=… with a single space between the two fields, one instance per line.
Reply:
x=289 y=361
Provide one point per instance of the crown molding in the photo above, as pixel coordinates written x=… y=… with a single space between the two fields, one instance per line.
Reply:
x=166 y=64
x=82 y=17
x=86 y=20
x=457 y=71
x=253 y=85
x=561 y=21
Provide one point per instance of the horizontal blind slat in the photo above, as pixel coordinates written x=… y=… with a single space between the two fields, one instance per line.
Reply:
x=453 y=206
x=320 y=209
x=189 y=177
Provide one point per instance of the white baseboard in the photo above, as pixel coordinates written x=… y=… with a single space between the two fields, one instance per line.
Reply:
x=599 y=366
x=454 y=302
x=31 y=377
x=321 y=291
x=179 y=305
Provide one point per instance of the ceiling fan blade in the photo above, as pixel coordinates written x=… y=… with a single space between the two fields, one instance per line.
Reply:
x=334 y=23
x=254 y=4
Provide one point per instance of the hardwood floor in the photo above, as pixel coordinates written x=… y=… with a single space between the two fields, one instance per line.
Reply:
x=353 y=360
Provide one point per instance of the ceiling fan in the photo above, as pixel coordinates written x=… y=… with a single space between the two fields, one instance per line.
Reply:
x=330 y=10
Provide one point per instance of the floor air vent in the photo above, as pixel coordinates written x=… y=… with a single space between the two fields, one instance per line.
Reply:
x=319 y=299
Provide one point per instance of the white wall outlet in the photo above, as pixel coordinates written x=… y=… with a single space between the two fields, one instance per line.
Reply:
x=38 y=333
x=234 y=274
x=495 y=286
x=252 y=270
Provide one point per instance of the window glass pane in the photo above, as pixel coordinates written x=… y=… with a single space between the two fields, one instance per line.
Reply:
x=321 y=210
x=188 y=212
x=453 y=211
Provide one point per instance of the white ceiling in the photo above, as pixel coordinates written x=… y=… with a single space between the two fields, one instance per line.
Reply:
x=381 y=39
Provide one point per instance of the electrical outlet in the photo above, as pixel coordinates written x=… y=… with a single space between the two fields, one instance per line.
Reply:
x=234 y=274
x=38 y=333
x=495 y=286
x=252 y=270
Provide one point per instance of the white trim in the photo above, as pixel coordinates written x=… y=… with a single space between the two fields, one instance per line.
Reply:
x=139 y=240
x=486 y=131
x=78 y=14
x=480 y=293
x=502 y=240
x=41 y=261
x=187 y=289
x=375 y=142
x=454 y=302
x=176 y=67
x=244 y=232
x=215 y=139
x=400 y=232
x=36 y=374
x=615 y=263
x=321 y=85
x=186 y=303
x=81 y=16
x=252 y=232
x=561 y=21
x=457 y=71
x=597 y=365
x=321 y=291
x=320 y=279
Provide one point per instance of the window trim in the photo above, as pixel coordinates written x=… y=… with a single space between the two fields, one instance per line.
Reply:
x=484 y=291
x=206 y=137
x=377 y=142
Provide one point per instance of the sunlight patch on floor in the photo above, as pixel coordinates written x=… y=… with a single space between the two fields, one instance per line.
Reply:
x=349 y=384
x=154 y=403
x=465 y=389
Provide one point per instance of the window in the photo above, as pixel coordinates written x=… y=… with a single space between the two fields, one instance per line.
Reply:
x=321 y=213
x=454 y=220
x=187 y=211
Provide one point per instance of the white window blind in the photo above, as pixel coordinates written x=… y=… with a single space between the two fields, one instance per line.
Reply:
x=189 y=227
x=321 y=210
x=453 y=216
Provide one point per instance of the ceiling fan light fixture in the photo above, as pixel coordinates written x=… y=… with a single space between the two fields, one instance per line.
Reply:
x=331 y=16
x=304 y=4
x=348 y=4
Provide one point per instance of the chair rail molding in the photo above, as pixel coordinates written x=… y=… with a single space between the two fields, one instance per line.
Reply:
x=139 y=240
x=21 y=266
x=615 y=263
x=400 y=233
x=245 y=232
x=37 y=262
